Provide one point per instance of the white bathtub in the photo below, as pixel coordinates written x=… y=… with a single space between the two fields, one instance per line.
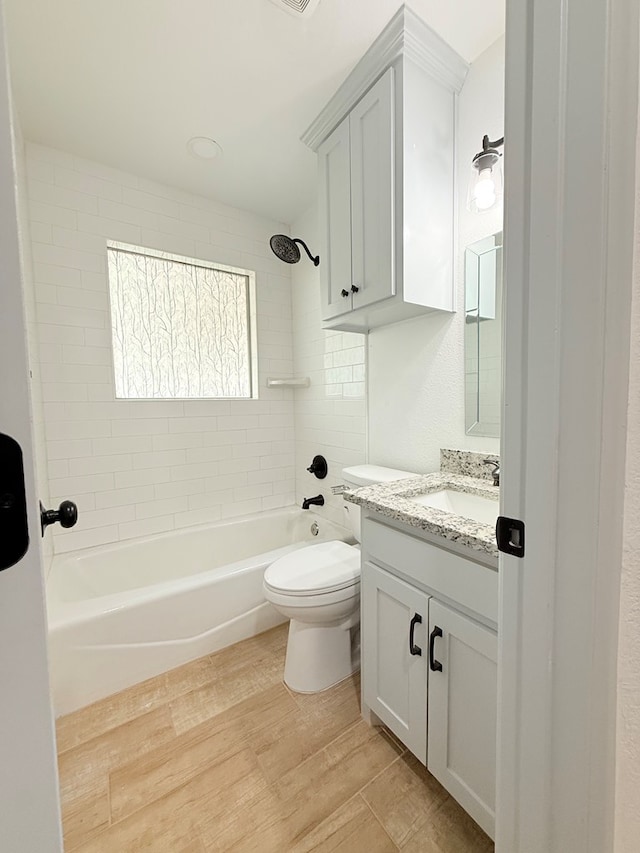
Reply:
x=122 y=613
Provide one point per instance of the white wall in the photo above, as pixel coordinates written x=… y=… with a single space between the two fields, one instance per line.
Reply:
x=628 y=734
x=416 y=368
x=330 y=415
x=140 y=467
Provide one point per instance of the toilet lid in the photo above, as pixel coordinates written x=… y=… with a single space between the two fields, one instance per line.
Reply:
x=325 y=567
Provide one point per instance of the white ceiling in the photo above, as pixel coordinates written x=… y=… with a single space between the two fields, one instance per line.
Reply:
x=128 y=82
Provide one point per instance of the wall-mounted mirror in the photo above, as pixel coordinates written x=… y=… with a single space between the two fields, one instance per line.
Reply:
x=483 y=336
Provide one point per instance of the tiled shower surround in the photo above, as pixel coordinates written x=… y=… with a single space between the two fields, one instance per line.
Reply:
x=140 y=467
x=330 y=415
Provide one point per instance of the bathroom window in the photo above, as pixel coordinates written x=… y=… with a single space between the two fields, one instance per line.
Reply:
x=181 y=328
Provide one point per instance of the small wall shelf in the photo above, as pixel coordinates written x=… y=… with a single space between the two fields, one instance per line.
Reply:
x=288 y=382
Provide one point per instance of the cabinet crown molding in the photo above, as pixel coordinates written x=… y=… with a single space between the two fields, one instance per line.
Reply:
x=405 y=36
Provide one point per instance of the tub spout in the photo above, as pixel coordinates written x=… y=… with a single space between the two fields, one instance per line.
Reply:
x=317 y=501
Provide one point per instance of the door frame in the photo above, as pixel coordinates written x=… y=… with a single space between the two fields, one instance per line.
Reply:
x=570 y=131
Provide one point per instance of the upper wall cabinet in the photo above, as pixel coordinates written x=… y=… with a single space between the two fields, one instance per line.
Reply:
x=356 y=205
x=385 y=145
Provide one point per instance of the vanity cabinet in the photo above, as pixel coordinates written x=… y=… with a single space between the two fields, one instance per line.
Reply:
x=429 y=658
x=394 y=676
x=462 y=709
x=385 y=145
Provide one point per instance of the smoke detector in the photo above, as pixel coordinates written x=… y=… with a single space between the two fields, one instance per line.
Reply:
x=298 y=8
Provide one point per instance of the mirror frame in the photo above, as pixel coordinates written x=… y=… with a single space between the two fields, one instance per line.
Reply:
x=492 y=243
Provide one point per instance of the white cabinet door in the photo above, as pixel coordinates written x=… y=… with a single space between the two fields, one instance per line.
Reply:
x=372 y=193
x=334 y=165
x=394 y=655
x=462 y=710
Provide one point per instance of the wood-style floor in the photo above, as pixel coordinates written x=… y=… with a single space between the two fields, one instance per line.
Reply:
x=218 y=756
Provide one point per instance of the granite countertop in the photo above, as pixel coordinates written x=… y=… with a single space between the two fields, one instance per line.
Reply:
x=393 y=501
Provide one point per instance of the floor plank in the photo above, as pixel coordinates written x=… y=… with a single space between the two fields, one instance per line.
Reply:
x=162 y=770
x=305 y=730
x=176 y=818
x=116 y=710
x=328 y=779
x=351 y=827
x=83 y=771
x=450 y=830
x=404 y=797
x=240 y=672
x=85 y=815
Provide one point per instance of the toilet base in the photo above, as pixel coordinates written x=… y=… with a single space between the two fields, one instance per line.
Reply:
x=319 y=657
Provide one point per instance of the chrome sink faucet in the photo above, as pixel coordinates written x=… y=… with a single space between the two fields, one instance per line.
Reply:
x=496 y=470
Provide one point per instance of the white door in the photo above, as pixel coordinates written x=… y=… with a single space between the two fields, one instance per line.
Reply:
x=29 y=810
x=463 y=703
x=570 y=136
x=334 y=202
x=394 y=669
x=372 y=193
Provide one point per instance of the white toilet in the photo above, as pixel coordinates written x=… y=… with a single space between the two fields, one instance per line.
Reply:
x=318 y=589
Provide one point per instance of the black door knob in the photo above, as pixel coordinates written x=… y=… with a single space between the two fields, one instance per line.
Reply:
x=66 y=515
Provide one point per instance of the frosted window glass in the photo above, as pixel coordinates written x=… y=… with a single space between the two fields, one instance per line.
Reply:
x=180 y=328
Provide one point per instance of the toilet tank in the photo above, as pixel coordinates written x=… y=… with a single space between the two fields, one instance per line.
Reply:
x=357 y=476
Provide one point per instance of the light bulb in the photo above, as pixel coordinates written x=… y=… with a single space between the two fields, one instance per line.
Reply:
x=484 y=191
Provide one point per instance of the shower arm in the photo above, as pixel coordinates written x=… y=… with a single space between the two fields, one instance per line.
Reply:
x=315 y=260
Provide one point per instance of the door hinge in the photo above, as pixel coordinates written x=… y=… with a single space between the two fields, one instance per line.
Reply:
x=510 y=536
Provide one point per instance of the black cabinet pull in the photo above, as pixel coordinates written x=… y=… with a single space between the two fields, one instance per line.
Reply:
x=415 y=650
x=354 y=288
x=344 y=292
x=434 y=664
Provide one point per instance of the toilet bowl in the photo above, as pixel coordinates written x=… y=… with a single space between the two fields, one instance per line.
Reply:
x=318 y=589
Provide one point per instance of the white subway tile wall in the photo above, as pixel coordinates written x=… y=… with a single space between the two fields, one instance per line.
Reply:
x=331 y=414
x=141 y=467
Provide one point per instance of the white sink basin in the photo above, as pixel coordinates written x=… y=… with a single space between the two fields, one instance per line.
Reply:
x=474 y=507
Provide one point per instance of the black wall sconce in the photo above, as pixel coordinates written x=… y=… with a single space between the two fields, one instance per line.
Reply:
x=485 y=186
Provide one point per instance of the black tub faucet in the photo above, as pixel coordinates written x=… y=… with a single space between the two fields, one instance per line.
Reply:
x=317 y=501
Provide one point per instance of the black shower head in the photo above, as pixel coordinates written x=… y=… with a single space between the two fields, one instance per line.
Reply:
x=285 y=249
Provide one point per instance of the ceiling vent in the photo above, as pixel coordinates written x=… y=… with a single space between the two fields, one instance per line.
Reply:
x=299 y=8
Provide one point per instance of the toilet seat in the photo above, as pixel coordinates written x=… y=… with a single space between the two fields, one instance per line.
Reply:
x=328 y=567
